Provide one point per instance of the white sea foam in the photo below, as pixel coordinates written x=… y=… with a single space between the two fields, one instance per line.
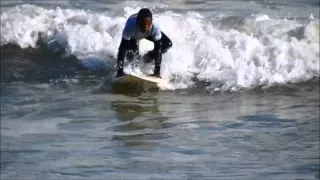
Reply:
x=235 y=52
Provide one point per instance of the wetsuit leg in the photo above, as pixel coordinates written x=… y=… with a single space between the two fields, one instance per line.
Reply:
x=166 y=44
x=133 y=49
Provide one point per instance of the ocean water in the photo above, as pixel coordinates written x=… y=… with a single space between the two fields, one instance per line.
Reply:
x=244 y=102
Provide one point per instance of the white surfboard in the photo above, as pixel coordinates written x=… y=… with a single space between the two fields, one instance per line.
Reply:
x=132 y=78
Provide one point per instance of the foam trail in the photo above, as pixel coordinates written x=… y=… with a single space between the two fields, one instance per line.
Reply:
x=231 y=52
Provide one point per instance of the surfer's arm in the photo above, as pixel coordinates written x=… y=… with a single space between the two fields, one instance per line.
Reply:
x=156 y=36
x=158 y=57
x=126 y=36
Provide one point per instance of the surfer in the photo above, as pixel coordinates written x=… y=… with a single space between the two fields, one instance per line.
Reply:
x=139 y=26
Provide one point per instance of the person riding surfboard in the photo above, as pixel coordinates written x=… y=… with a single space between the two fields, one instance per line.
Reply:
x=137 y=27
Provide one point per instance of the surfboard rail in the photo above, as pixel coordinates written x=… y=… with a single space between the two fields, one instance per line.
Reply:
x=135 y=78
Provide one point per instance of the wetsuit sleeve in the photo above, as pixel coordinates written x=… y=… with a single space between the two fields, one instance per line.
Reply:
x=126 y=35
x=158 y=57
x=156 y=33
x=122 y=52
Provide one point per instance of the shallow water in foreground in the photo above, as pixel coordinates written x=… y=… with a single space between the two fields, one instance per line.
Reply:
x=57 y=132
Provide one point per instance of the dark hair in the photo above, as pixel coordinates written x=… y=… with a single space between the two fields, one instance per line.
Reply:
x=144 y=13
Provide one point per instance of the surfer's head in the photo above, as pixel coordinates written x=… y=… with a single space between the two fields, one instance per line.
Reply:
x=144 y=19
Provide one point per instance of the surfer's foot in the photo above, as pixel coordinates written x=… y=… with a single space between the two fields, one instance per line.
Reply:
x=149 y=57
x=131 y=55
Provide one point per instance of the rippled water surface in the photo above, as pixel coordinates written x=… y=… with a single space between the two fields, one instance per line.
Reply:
x=245 y=104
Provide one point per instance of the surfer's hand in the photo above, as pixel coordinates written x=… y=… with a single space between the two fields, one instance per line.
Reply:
x=155 y=75
x=120 y=74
